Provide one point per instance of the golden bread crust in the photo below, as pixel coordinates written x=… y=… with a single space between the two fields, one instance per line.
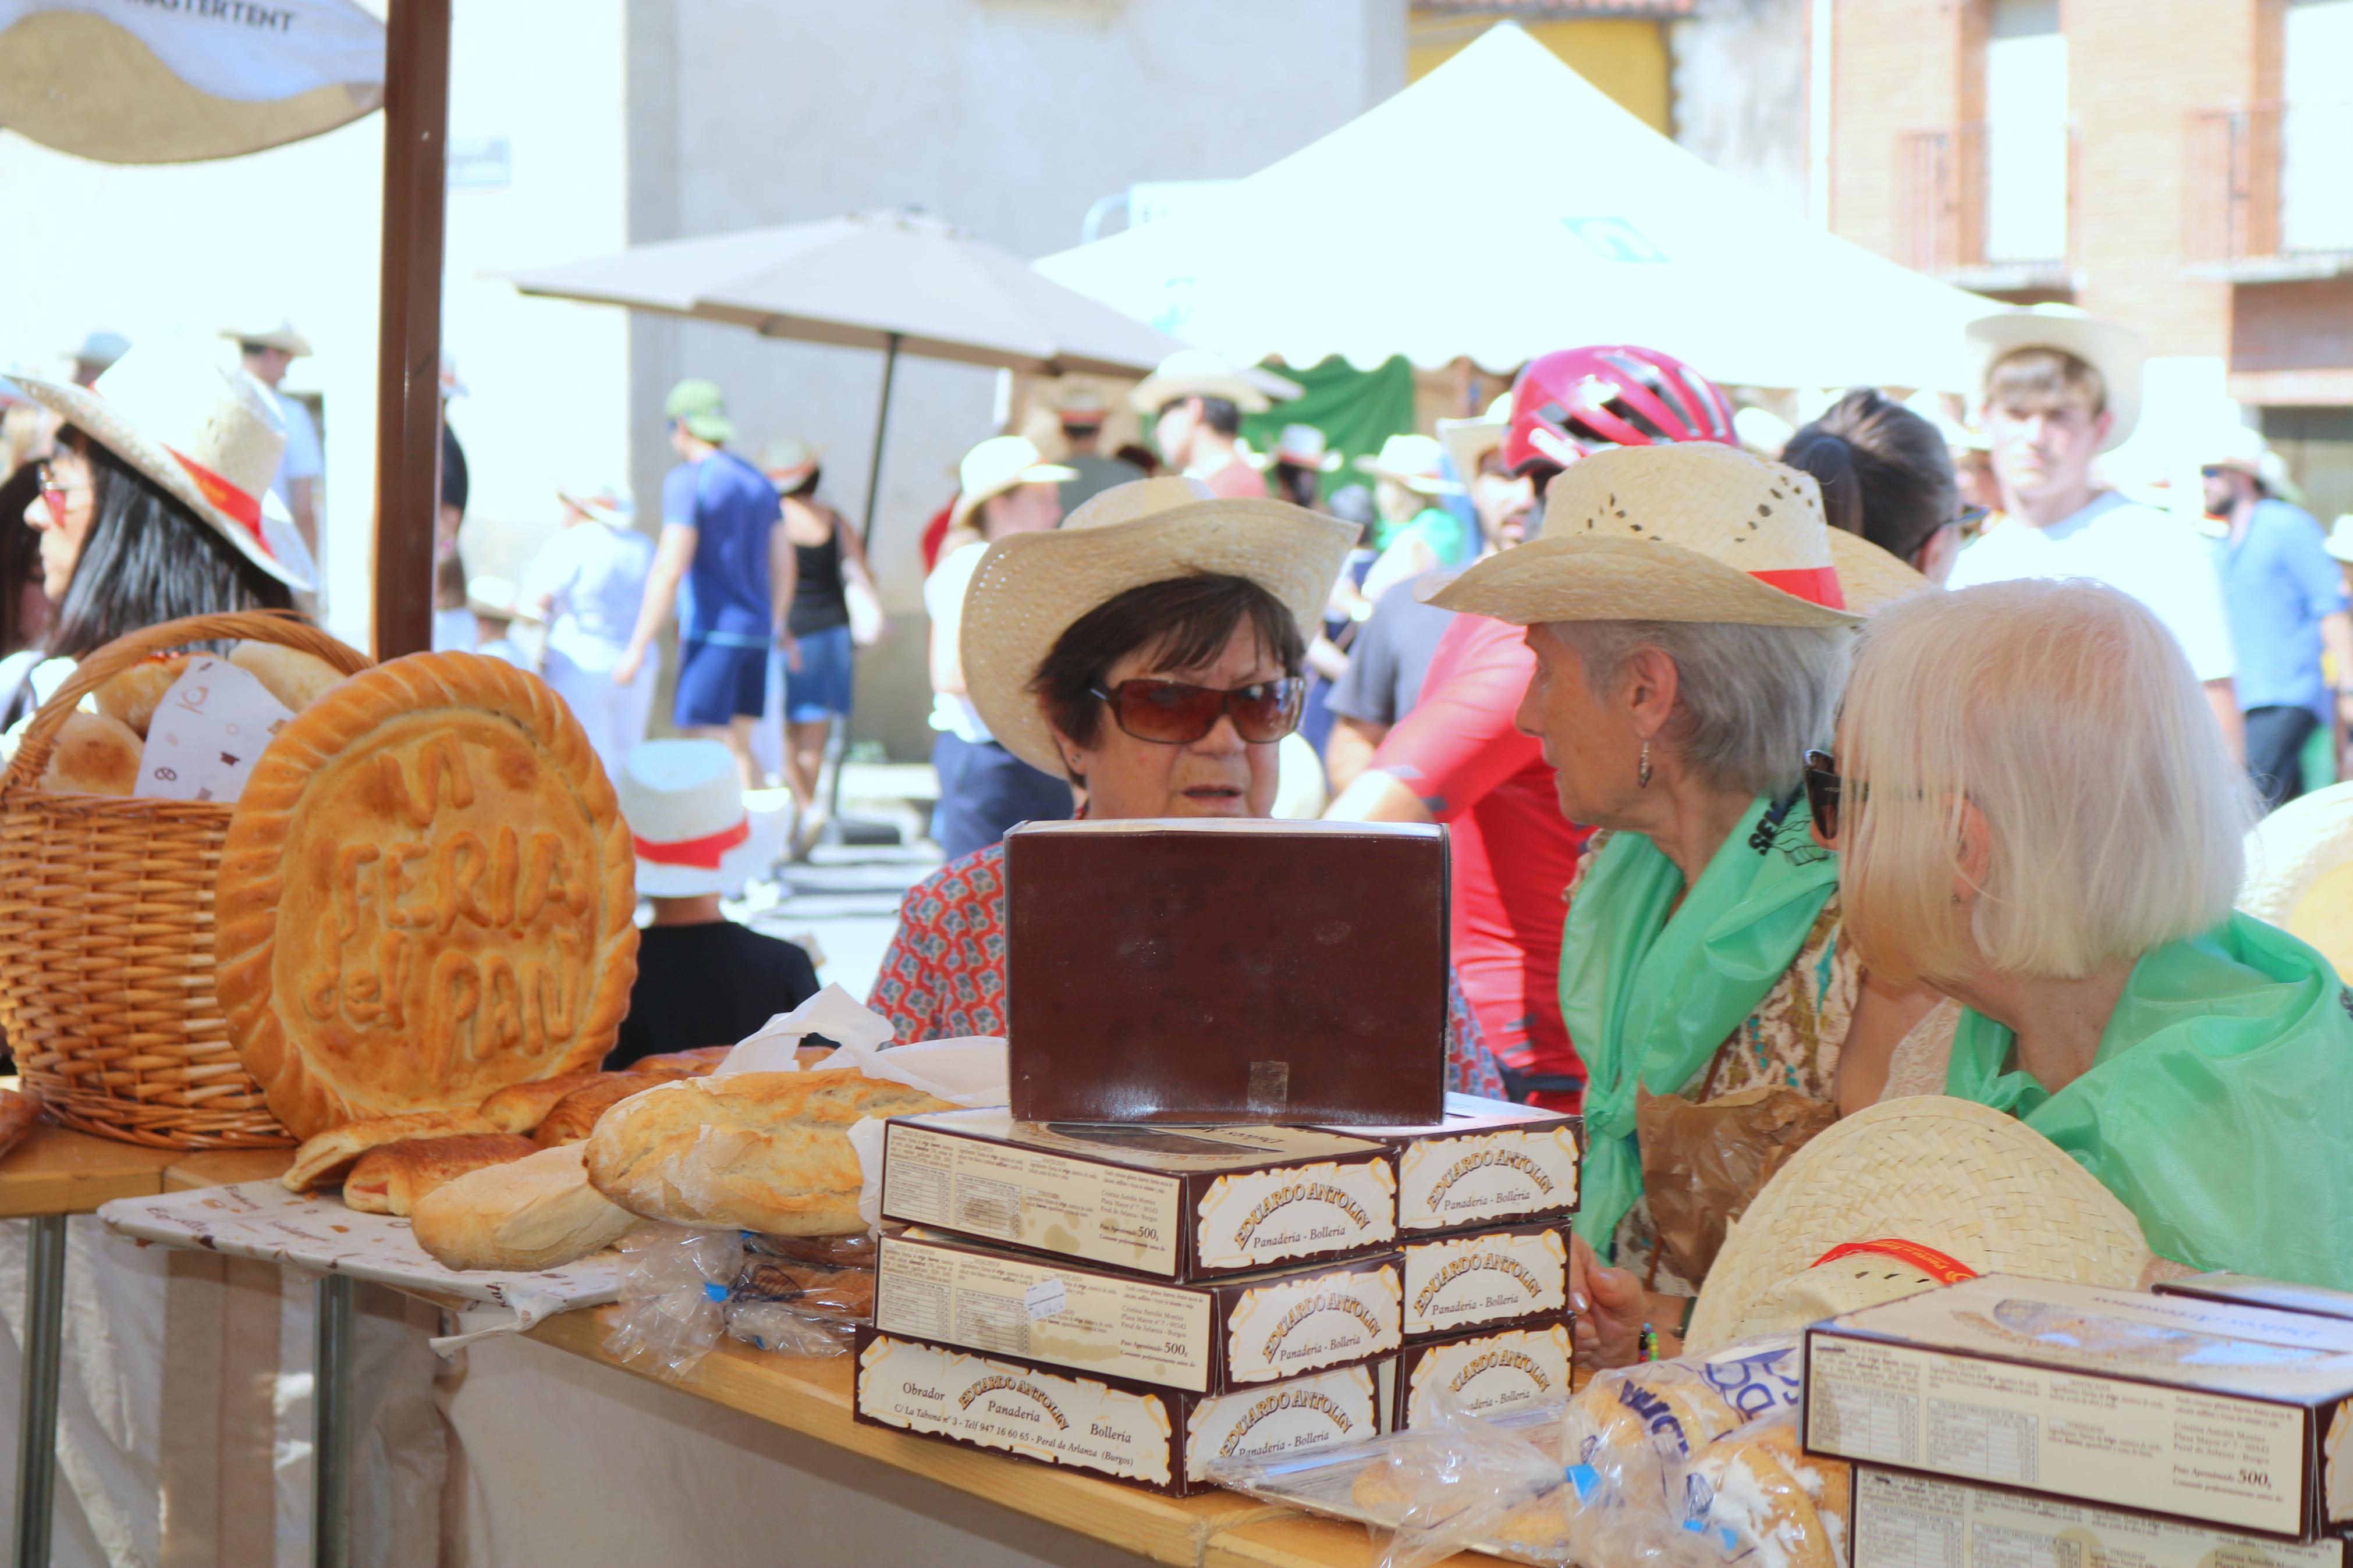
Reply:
x=132 y=697
x=94 y=755
x=522 y=1107
x=763 y=1151
x=324 y=1157
x=296 y=679
x=392 y=1178
x=536 y=1213
x=427 y=893
x=572 y=1118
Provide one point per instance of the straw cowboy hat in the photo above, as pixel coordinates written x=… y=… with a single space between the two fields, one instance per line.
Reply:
x=1467 y=440
x=1413 y=461
x=1080 y=405
x=210 y=437
x=2300 y=872
x=998 y=465
x=2341 y=536
x=1302 y=447
x=789 y=455
x=282 y=337
x=1691 y=531
x=607 y=502
x=2109 y=347
x=1954 y=1182
x=1030 y=588
x=1195 y=373
x=683 y=801
x=2231 y=444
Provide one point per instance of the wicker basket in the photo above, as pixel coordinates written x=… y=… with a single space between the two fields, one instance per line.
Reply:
x=106 y=930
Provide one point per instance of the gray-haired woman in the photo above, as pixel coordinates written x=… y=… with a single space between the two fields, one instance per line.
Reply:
x=1691 y=618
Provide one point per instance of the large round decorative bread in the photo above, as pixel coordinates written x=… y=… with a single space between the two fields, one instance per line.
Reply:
x=427 y=893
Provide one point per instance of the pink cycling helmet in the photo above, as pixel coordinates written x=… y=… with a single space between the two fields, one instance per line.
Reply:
x=1576 y=401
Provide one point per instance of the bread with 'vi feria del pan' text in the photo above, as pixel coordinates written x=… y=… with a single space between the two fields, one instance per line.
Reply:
x=765 y=1152
x=427 y=893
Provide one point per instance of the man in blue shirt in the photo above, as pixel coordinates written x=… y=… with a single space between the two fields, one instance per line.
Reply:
x=723 y=561
x=2286 y=598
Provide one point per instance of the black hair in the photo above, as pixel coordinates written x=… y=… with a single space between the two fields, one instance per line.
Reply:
x=807 y=487
x=248 y=349
x=1884 y=472
x=1184 y=621
x=1142 y=461
x=146 y=559
x=1299 y=485
x=20 y=556
x=1218 y=413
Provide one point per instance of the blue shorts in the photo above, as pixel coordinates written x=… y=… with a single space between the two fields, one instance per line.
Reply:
x=719 y=682
x=820 y=689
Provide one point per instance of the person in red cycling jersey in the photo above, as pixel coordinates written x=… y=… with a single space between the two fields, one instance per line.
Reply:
x=1456 y=757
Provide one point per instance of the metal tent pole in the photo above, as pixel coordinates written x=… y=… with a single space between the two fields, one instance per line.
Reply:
x=865 y=537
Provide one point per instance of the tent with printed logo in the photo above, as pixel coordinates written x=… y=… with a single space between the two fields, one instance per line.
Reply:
x=1543 y=216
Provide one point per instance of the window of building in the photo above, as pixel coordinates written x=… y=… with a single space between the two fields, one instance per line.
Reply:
x=2026 y=132
x=2317 y=126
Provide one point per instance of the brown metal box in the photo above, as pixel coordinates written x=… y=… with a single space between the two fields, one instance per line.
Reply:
x=1179 y=971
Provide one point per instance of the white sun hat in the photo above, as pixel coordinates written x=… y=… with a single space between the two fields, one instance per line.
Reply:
x=1947 y=1180
x=998 y=465
x=2109 y=347
x=2341 y=536
x=1467 y=440
x=789 y=455
x=282 y=337
x=1414 y=461
x=683 y=801
x=2300 y=872
x=1693 y=532
x=1030 y=588
x=606 y=502
x=1197 y=372
x=1302 y=447
x=209 y=436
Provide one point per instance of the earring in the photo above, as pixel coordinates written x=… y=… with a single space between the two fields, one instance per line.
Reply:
x=1642 y=773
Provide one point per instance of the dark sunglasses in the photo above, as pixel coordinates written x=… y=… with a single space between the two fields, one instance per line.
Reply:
x=1172 y=713
x=1823 y=787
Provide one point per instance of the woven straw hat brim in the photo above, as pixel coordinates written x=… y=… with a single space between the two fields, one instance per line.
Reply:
x=2109 y=347
x=1157 y=392
x=1420 y=484
x=2290 y=855
x=1030 y=588
x=1467 y=440
x=1871 y=578
x=1982 y=1188
x=970 y=501
x=88 y=412
x=1590 y=579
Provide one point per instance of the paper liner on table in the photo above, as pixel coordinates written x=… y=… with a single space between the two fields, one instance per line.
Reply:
x=262 y=1220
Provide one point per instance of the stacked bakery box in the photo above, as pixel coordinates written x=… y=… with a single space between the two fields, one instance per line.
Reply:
x=2005 y=1421
x=1230 y=1196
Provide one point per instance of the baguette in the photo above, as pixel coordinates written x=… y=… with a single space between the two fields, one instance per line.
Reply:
x=537 y=1213
x=697 y=1063
x=758 y=1151
x=321 y=1160
x=392 y=1178
x=572 y=1118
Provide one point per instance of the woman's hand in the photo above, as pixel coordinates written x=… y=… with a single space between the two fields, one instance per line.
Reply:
x=625 y=668
x=1611 y=1306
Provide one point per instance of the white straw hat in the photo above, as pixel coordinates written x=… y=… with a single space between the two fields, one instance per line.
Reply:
x=998 y=465
x=2231 y=444
x=604 y=502
x=2109 y=347
x=1413 y=461
x=1968 y=1184
x=211 y=437
x=789 y=455
x=2300 y=872
x=282 y=337
x=1467 y=440
x=1691 y=531
x=1197 y=372
x=1080 y=405
x=1302 y=447
x=1031 y=587
x=2341 y=536
x=683 y=801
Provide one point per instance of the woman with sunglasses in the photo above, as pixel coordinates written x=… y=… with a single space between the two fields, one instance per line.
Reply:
x=1151 y=652
x=1690 y=614
x=2037 y=816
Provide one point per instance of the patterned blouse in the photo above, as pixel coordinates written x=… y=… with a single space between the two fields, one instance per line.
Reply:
x=945 y=973
x=1792 y=1040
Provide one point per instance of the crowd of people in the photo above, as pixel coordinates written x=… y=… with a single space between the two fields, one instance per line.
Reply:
x=1904 y=758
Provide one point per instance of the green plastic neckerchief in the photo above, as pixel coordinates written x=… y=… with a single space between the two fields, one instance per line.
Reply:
x=1648 y=1000
x=2219 y=1108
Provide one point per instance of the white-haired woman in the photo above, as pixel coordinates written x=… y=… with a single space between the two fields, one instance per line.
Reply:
x=1691 y=618
x=2035 y=814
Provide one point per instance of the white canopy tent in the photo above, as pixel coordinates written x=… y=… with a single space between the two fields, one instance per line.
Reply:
x=1502 y=207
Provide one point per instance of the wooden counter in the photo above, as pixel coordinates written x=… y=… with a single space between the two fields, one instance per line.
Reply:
x=55 y=1171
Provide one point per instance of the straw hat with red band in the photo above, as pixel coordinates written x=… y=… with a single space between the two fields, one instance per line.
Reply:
x=1909 y=1195
x=1693 y=532
x=683 y=801
x=207 y=436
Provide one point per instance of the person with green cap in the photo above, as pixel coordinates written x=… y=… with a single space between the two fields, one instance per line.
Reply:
x=725 y=561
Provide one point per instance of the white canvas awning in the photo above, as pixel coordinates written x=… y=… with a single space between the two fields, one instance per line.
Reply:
x=1502 y=207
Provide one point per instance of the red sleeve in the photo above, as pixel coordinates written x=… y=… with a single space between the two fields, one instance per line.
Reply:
x=1457 y=743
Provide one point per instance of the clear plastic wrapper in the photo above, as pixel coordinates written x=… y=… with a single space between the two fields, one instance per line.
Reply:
x=779 y=1327
x=1464 y=1480
x=675 y=1284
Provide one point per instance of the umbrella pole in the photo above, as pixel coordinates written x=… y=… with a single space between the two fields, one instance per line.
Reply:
x=408 y=343
x=865 y=537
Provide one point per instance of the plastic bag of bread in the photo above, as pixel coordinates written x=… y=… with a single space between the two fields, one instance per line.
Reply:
x=1768 y=1500
x=675 y=1284
x=761 y=1152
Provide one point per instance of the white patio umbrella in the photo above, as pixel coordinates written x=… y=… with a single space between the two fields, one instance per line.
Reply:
x=898 y=281
x=129 y=81
x=1525 y=211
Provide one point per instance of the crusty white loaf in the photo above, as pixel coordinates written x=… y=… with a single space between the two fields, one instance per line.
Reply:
x=394 y=1178
x=296 y=679
x=132 y=697
x=763 y=1151
x=538 y=1212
